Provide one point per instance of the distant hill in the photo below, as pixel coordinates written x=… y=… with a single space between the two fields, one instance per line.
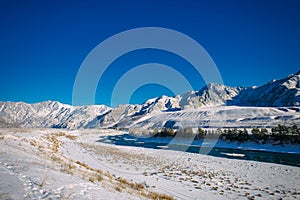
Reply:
x=215 y=105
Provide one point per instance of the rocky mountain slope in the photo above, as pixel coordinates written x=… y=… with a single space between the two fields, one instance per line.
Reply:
x=278 y=93
x=213 y=105
x=49 y=114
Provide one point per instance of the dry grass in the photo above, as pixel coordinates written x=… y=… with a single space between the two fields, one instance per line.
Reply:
x=95 y=177
x=133 y=159
x=20 y=130
x=107 y=174
x=43 y=181
x=92 y=179
x=68 y=168
x=215 y=188
x=195 y=181
x=114 y=154
x=155 y=195
x=54 y=143
x=139 y=187
x=56 y=159
x=63 y=134
x=83 y=164
x=118 y=188
x=49 y=148
x=99 y=177
x=198 y=187
x=96 y=174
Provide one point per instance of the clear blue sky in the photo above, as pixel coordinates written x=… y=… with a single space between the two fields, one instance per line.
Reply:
x=43 y=43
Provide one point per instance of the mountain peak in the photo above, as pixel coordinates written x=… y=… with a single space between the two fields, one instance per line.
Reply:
x=278 y=93
x=298 y=73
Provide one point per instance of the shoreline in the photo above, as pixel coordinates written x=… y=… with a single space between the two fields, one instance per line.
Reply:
x=219 y=143
x=53 y=163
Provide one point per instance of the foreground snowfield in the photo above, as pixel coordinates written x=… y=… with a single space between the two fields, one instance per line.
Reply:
x=66 y=164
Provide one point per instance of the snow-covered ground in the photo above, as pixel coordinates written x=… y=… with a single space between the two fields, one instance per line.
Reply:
x=73 y=164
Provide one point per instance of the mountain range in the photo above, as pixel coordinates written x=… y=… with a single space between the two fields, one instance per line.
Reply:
x=215 y=105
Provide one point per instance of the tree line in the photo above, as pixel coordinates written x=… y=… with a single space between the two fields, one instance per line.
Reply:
x=281 y=134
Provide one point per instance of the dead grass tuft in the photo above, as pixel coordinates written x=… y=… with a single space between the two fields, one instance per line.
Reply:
x=92 y=179
x=43 y=181
x=118 y=188
x=155 y=195
x=139 y=186
x=68 y=168
x=62 y=134
x=99 y=178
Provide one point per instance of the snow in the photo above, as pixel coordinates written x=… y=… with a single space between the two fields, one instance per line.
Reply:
x=67 y=164
x=234 y=154
x=234 y=106
x=59 y=115
x=223 y=117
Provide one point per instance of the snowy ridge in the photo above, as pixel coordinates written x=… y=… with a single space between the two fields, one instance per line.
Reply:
x=278 y=93
x=213 y=106
x=222 y=117
x=49 y=114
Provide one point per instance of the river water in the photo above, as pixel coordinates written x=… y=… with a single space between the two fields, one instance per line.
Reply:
x=231 y=153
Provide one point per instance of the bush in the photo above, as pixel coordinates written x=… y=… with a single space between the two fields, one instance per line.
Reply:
x=230 y=134
x=279 y=133
x=201 y=133
x=261 y=134
x=295 y=134
x=242 y=135
x=167 y=132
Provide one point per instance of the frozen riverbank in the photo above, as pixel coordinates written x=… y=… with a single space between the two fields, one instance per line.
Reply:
x=278 y=154
x=64 y=164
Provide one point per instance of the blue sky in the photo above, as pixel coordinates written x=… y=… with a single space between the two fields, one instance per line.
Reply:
x=43 y=43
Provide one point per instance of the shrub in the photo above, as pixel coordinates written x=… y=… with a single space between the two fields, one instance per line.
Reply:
x=295 y=137
x=242 y=135
x=118 y=188
x=259 y=134
x=201 y=133
x=230 y=134
x=279 y=133
x=167 y=132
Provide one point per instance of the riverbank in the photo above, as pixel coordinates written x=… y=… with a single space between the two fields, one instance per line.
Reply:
x=73 y=164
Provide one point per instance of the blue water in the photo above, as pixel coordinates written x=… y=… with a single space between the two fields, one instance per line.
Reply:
x=255 y=155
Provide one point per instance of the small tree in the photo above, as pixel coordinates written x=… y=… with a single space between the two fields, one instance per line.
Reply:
x=201 y=133
x=219 y=131
x=242 y=135
x=167 y=132
x=295 y=137
x=280 y=133
x=231 y=134
x=264 y=131
x=259 y=134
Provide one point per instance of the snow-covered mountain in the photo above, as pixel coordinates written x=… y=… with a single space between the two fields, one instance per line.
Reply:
x=49 y=114
x=284 y=92
x=276 y=93
x=211 y=106
x=221 y=117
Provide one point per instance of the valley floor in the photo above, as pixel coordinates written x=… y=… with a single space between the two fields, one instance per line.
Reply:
x=71 y=164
